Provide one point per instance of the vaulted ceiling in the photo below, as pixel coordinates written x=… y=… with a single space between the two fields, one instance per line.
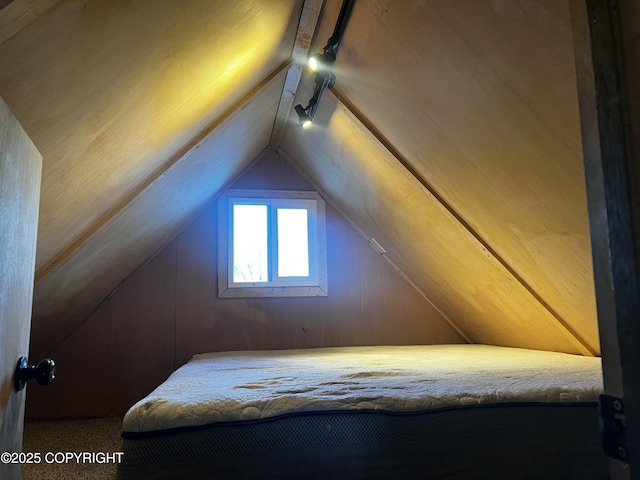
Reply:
x=451 y=136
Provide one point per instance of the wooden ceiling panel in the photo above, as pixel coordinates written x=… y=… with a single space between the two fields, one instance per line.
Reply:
x=479 y=99
x=421 y=236
x=109 y=90
x=19 y=13
x=64 y=297
x=452 y=137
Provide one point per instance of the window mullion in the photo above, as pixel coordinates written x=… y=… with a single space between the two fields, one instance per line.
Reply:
x=273 y=242
x=312 y=219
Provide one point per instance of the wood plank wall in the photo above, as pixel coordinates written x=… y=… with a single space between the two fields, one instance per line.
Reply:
x=168 y=311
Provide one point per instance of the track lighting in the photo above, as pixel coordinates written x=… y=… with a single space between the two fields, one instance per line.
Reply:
x=306 y=114
x=322 y=63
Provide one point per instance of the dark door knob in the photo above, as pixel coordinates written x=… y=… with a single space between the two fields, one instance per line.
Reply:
x=44 y=372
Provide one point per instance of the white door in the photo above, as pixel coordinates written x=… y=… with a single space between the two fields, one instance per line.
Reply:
x=20 y=171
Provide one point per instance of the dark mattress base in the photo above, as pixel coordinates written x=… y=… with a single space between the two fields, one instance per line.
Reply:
x=513 y=441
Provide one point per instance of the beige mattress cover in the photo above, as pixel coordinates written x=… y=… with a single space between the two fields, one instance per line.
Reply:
x=230 y=386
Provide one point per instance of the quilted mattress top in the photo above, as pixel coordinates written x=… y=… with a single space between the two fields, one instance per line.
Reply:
x=228 y=386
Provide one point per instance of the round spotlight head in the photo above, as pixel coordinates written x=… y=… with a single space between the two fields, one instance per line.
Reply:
x=322 y=61
x=313 y=63
x=303 y=117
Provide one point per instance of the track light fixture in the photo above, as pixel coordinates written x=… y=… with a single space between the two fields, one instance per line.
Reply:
x=306 y=114
x=303 y=116
x=322 y=63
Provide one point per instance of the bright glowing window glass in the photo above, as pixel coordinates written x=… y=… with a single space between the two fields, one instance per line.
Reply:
x=250 y=247
x=293 y=242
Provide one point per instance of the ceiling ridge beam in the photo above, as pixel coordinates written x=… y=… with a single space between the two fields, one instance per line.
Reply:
x=366 y=238
x=66 y=252
x=377 y=134
x=306 y=29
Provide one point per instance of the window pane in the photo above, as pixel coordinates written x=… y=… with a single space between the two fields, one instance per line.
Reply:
x=250 y=247
x=293 y=243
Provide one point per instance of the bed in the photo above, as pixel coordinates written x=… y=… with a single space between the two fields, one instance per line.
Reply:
x=445 y=411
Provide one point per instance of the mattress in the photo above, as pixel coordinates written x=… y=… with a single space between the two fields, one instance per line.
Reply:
x=454 y=411
x=231 y=386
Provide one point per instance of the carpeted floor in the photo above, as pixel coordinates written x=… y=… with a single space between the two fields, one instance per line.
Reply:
x=50 y=437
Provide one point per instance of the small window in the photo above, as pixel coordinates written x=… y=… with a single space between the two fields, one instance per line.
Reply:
x=271 y=244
